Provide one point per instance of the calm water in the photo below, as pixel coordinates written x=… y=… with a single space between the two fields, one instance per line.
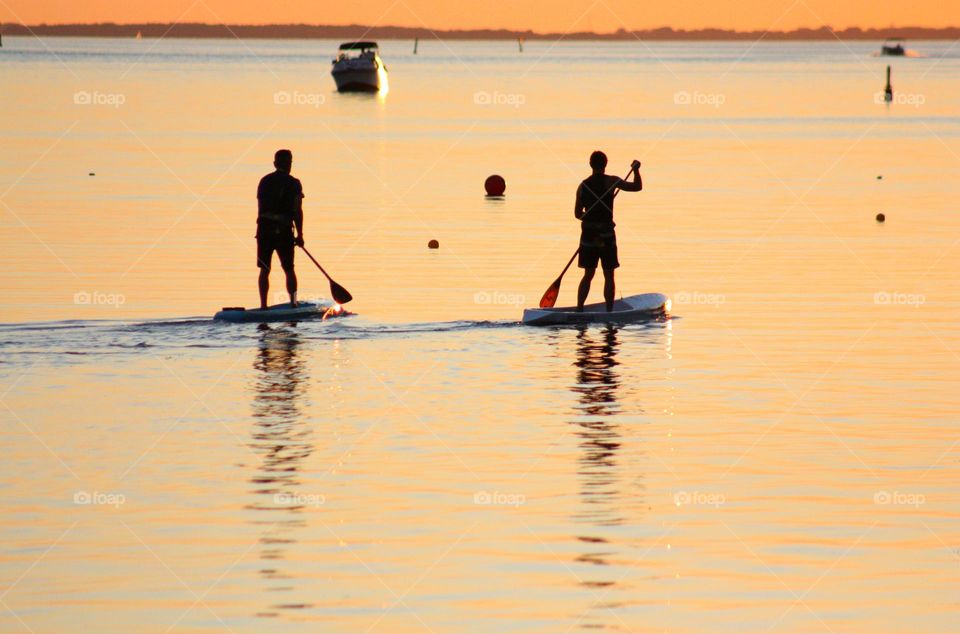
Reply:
x=780 y=456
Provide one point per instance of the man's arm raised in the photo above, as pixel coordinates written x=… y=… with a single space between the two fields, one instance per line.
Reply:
x=637 y=183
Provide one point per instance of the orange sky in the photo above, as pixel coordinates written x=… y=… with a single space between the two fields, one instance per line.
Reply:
x=539 y=15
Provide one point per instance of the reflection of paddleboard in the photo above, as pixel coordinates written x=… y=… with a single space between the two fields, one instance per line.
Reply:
x=633 y=308
x=282 y=312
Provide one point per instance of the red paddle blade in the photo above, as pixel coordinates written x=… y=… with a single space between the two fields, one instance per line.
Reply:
x=549 y=298
x=339 y=293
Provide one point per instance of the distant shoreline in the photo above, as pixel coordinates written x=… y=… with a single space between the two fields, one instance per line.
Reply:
x=306 y=31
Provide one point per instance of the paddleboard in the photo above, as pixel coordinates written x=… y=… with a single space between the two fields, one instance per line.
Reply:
x=281 y=312
x=633 y=308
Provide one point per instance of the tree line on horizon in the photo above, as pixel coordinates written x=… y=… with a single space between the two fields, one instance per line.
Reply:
x=308 y=31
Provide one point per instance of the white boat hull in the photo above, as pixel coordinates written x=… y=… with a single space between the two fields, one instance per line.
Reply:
x=357 y=79
x=633 y=308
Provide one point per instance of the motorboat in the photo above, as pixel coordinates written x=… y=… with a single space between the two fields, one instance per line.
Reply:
x=358 y=68
x=894 y=46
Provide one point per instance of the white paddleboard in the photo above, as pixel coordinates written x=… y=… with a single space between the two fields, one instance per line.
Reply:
x=633 y=308
x=279 y=312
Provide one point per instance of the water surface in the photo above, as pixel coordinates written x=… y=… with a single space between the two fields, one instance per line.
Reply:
x=779 y=456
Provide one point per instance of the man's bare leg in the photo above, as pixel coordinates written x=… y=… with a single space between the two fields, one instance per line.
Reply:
x=609 y=288
x=292 y=286
x=584 y=289
x=264 y=282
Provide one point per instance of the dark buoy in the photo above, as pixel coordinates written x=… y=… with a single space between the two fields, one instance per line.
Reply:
x=433 y=244
x=888 y=91
x=495 y=185
x=92 y=174
x=879 y=177
x=881 y=217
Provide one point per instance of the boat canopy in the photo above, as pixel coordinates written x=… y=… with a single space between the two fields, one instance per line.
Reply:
x=357 y=46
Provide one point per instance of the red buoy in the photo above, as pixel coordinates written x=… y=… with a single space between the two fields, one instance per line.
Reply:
x=495 y=185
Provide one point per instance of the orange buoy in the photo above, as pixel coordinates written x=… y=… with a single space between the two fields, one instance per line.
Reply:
x=495 y=185
x=881 y=217
x=433 y=244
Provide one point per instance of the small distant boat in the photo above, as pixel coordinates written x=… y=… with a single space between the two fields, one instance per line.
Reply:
x=894 y=47
x=139 y=35
x=358 y=68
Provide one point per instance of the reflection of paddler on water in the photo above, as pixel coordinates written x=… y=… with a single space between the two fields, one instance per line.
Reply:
x=599 y=470
x=610 y=468
x=597 y=386
x=597 y=377
x=281 y=377
x=282 y=440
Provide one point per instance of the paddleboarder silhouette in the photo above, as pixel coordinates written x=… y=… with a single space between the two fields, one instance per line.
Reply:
x=280 y=210
x=598 y=240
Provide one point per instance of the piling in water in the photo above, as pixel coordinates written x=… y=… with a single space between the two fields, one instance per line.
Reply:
x=888 y=91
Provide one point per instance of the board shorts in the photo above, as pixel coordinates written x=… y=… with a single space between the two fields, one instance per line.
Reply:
x=602 y=249
x=271 y=238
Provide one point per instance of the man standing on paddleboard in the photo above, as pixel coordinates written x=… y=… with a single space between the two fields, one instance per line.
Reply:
x=598 y=240
x=280 y=210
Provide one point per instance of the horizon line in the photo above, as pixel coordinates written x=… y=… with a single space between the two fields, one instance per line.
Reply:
x=318 y=31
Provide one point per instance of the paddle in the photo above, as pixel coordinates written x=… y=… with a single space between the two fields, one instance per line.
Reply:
x=339 y=293
x=549 y=298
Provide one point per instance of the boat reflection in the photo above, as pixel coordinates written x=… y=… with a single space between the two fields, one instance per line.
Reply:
x=282 y=440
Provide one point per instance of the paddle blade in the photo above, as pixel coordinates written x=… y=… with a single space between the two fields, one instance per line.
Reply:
x=339 y=293
x=549 y=298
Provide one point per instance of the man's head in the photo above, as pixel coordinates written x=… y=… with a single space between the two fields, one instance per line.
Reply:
x=283 y=160
x=598 y=161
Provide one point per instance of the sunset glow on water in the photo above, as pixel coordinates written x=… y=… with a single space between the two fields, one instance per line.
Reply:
x=779 y=455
